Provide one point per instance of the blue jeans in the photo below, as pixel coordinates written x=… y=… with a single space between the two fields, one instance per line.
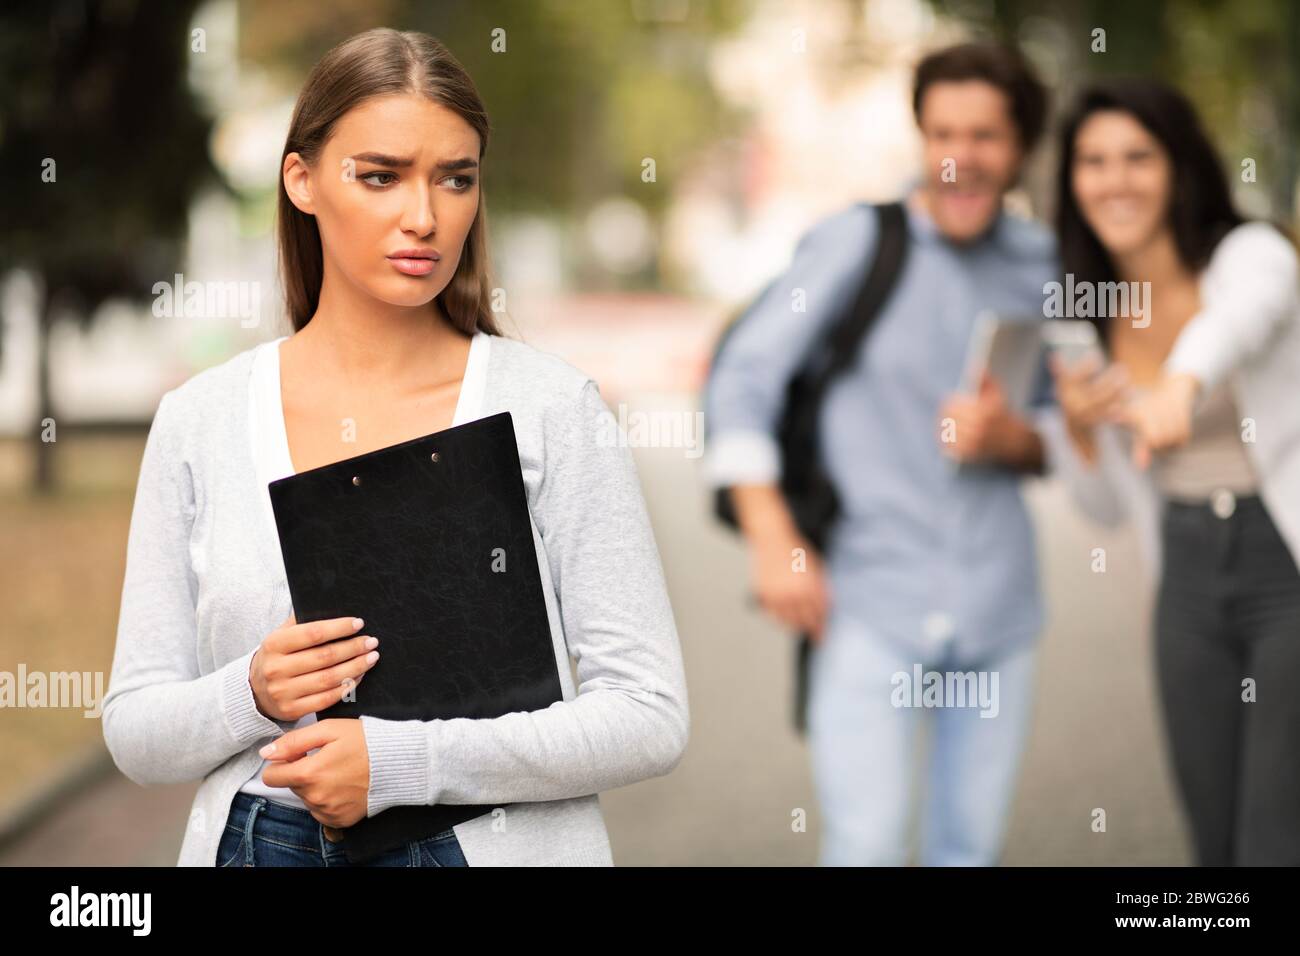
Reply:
x=261 y=832
x=862 y=722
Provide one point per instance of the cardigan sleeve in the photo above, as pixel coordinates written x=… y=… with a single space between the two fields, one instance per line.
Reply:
x=164 y=721
x=629 y=720
x=1094 y=487
x=1251 y=287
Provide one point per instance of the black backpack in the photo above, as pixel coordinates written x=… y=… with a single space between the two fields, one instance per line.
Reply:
x=804 y=484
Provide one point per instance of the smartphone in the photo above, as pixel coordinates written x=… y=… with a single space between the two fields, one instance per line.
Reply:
x=1073 y=340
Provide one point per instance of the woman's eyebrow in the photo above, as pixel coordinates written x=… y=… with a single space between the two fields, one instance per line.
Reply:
x=401 y=162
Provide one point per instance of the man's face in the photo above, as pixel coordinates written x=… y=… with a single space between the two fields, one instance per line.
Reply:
x=972 y=154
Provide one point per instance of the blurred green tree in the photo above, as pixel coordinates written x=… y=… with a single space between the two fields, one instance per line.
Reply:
x=1236 y=60
x=101 y=150
x=583 y=91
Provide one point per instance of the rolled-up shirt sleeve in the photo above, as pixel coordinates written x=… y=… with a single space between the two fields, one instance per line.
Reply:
x=746 y=388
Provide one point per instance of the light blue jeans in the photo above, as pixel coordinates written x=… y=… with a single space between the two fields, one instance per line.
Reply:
x=863 y=746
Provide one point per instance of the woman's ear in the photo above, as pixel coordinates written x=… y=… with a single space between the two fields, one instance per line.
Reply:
x=297 y=183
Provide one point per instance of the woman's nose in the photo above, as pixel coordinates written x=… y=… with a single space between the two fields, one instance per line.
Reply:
x=417 y=216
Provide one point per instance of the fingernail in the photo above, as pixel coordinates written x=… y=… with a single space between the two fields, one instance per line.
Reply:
x=267 y=750
x=357 y=623
x=372 y=643
x=372 y=657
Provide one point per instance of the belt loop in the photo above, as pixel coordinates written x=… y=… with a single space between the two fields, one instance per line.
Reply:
x=258 y=804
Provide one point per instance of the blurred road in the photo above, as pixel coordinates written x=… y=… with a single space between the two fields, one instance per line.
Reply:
x=1095 y=741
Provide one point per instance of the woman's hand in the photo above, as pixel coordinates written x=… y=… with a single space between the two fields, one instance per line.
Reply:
x=1087 y=398
x=327 y=765
x=1162 y=418
x=296 y=671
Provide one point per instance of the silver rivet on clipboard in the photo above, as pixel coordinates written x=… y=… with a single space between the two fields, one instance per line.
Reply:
x=434 y=456
x=356 y=479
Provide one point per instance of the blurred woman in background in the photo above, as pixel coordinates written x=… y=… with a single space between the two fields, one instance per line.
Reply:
x=1194 y=432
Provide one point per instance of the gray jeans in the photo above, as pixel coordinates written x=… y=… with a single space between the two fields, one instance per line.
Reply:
x=1228 y=661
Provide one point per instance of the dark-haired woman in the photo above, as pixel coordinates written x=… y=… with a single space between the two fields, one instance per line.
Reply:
x=381 y=232
x=1194 y=431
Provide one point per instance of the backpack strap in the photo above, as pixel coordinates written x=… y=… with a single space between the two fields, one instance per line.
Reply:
x=839 y=352
x=841 y=347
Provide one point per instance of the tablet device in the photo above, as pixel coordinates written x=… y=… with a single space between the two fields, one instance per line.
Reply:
x=1011 y=349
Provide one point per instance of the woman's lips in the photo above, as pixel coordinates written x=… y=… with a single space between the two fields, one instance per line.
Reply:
x=413 y=267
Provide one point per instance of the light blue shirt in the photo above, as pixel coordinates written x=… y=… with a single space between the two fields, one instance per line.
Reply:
x=930 y=556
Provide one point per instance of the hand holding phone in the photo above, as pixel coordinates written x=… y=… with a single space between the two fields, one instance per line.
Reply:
x=1089 y=390
x=1073 y=340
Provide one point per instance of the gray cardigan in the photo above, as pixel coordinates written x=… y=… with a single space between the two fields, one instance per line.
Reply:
x=205 y=584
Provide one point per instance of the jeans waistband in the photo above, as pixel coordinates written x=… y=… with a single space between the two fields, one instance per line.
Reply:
x=1222 y=504
x=252 y=806
x=246 y=801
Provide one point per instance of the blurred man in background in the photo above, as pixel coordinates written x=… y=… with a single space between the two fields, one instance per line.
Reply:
x=930 y=570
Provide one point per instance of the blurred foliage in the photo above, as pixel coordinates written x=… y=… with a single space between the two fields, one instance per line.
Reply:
x=584 y=91
x=101 y=149
x=1236 y=59
x=99 y=89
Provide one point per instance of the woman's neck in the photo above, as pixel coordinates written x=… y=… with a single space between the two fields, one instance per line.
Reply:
x=1156 y=262
x=364 y=340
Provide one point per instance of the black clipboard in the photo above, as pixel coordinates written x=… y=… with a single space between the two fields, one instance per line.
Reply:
x=429 y=541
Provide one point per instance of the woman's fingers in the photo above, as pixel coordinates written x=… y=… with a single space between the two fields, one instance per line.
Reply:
x=322 y=680
x=323 y=657
x=318 y=702
x=1109 y=387
x=302 y=636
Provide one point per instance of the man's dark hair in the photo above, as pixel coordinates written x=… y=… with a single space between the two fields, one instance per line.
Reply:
x=996 y=64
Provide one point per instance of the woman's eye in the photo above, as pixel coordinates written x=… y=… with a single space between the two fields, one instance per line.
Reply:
x=466 y=182
x=369 y=176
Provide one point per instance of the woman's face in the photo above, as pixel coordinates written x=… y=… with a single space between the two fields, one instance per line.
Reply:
x=399 y=173
x=1122 y=179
